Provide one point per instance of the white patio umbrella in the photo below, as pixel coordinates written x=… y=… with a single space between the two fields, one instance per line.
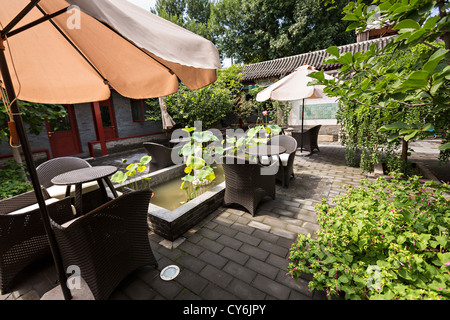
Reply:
x=294 y=87
x=51 y=52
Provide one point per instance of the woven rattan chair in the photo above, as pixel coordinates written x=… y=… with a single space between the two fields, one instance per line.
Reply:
x=310 y=137
x=245 y=182
x=286 y=170
x=108 y=243
x=53 y=167
x=22 y=235
x=161 y=156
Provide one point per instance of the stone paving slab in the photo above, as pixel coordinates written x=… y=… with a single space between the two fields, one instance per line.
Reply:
x=230 y=255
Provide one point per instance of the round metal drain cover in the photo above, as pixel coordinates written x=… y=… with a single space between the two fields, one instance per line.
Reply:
x=170 y=272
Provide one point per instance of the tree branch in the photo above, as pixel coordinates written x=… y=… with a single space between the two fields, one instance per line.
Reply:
x=414 y=105
x=406 y=105
x=429 y=45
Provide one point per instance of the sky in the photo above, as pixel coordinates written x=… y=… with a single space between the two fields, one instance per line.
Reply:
x=146 y=4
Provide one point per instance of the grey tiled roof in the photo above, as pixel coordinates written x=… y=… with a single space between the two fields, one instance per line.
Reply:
x=284 y=66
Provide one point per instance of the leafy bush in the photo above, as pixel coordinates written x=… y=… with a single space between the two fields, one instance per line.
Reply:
x=13 y=180
x=209 y=104
x=387 y=239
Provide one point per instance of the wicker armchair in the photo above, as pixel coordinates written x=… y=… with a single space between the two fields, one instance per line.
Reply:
x=22 y=235
x=161 y=156
x=286 y=159
x=108 y=243
x=309 y=138
x=51 y=168
x=245 y=182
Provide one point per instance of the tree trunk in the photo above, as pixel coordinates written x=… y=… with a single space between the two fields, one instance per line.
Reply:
x=18 y=159
x=16 y=155
x=280 y=116
x=404 y=150
x=443 y=14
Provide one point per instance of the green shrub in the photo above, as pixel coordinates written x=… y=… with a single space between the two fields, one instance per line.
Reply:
x=386 y=239
x=208 y=104
x=13 y=181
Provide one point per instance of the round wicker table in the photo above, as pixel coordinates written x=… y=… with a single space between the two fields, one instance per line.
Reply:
x=266 y=150
x=80 y=176
x=182 y=140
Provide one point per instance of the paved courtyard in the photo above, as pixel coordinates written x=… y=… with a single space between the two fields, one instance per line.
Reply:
x=232 y=255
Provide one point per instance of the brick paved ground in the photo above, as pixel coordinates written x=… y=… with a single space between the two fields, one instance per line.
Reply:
x=231 y=255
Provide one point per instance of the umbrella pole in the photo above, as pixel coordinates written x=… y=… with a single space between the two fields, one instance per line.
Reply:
x=303 y=117
x=32 y=170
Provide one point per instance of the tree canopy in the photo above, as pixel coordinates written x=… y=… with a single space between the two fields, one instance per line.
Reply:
x=258 y=30
x=193 y=15
x=33 y=115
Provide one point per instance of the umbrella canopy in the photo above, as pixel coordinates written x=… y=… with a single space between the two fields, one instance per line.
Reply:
x=53 y=53
x=294 y=87
x=76 y=56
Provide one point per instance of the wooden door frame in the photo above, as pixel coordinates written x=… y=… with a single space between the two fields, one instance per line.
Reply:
x=112 y=115
x=98 y=126
x=73 y=124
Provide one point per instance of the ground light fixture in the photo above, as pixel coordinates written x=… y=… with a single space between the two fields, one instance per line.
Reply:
x=170 y=272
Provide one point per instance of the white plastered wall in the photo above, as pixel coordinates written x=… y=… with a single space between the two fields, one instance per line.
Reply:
x=295 y=114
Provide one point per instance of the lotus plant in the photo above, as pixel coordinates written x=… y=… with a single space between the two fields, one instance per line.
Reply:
x=198 y=171
x=136 y=172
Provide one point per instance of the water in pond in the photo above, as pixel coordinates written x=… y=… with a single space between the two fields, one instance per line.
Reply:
x=169 y=195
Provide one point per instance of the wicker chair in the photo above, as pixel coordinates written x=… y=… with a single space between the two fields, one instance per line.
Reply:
x=51 y=168
x=161 y=156
x=286 y=159
x=22 y=235
x=309 y=138
x=108 y=243
x=245 y=184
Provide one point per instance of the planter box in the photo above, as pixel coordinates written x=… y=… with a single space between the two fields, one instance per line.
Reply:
x=423 y=171
x=172 y=224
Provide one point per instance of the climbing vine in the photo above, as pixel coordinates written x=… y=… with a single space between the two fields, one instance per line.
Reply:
x=399 y=92
x=372 y=135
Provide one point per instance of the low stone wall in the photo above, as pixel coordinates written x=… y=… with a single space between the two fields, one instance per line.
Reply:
x=424 y=172
x=38 y=157
x=119 y=145
x=172 y=224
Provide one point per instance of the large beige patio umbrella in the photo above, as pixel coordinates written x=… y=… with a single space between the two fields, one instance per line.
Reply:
x=294 y=87
x=75 y=56
x=51 y=52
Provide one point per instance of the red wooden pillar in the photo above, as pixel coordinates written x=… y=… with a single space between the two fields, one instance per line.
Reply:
x=99 y=127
